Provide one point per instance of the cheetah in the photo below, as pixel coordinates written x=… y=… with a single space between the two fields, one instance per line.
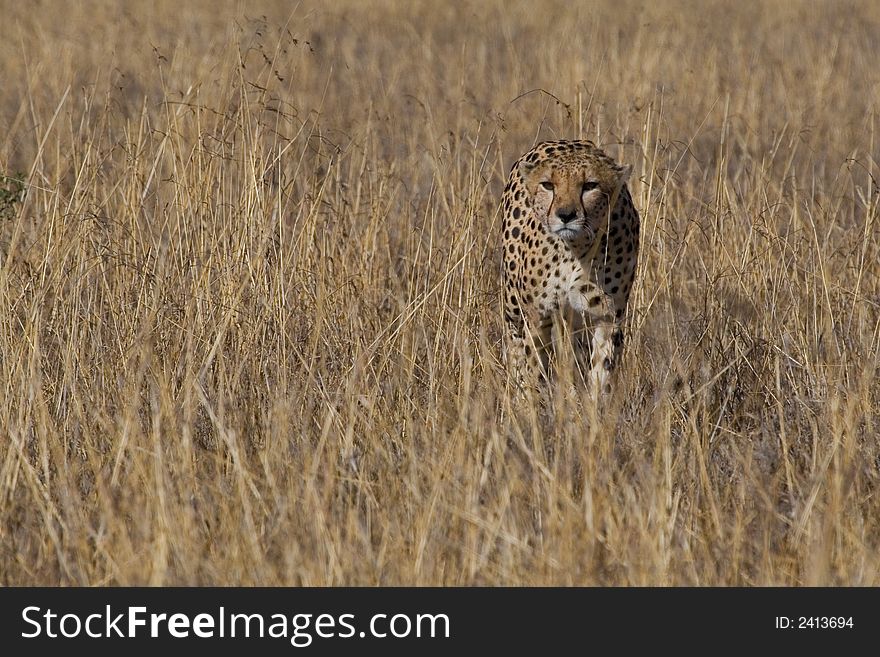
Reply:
x=571 y=242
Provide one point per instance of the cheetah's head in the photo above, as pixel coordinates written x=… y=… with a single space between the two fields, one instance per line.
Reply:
x=572 y=199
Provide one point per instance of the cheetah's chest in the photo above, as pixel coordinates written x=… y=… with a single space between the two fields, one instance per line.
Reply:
x=563 y=288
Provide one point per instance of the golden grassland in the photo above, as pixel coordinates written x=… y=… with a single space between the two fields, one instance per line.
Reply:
x=249 y=295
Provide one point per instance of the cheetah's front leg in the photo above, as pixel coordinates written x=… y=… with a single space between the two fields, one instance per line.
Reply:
x=603 y=357
x=527 y=352
x=597 y=309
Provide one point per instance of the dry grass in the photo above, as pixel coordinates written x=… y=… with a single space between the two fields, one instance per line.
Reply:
x=249 y=303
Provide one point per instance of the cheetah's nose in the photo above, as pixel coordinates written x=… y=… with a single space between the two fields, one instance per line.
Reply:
x=566 y=214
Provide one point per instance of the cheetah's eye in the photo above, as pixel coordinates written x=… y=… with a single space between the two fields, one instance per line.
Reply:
x=589 y=186
x=547 y=185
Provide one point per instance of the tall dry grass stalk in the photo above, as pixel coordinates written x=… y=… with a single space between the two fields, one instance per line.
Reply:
x=249 y=279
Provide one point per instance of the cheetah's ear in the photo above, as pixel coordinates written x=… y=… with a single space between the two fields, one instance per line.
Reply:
x=623 y=174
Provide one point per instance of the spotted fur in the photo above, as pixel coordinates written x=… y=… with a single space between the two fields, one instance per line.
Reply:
x=571 y=243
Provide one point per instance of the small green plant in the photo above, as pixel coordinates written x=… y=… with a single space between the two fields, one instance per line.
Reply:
x=11 y=193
